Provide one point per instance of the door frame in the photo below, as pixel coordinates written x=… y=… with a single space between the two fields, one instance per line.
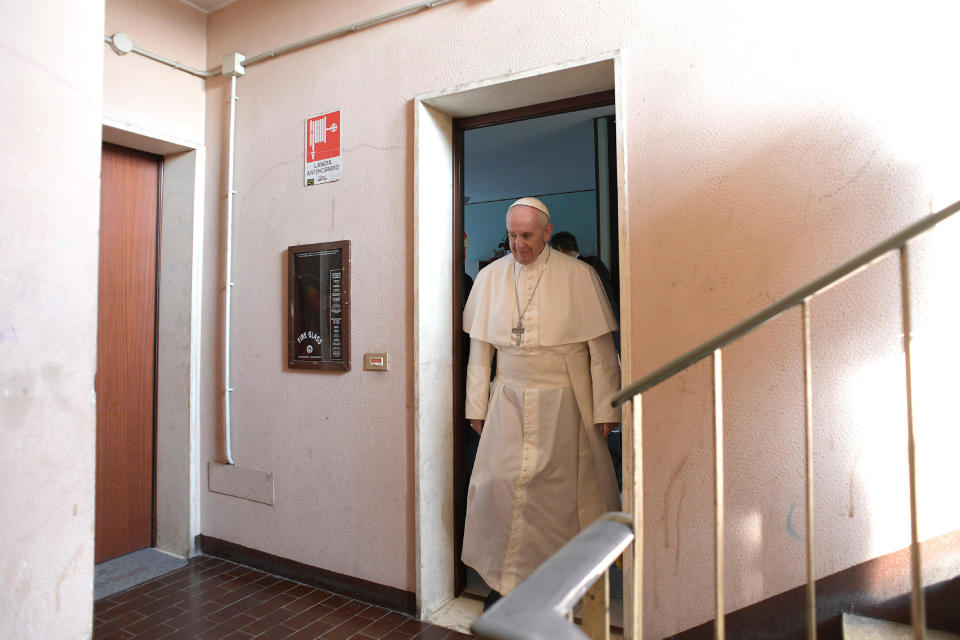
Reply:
x=433 y=255
x=460 y=126
x=177 y=487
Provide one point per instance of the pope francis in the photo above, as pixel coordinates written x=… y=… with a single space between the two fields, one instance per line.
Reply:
x=543 y=471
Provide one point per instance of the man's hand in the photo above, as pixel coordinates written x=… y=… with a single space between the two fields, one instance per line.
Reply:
x=476 y=425
x=606 y=427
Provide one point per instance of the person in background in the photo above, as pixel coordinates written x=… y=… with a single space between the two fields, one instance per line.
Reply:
x=566 y=242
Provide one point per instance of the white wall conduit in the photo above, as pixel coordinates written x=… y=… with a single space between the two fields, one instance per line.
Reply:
x=228 y=284
x=121 y=43
x=234 y=65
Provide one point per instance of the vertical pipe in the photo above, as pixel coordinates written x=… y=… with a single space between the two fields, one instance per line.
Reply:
x=808 y=451
x=719 y=625
x=633 y=558
x=227 y=389
x=917 y=613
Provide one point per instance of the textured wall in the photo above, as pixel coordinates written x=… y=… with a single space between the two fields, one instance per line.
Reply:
x=49 y=220
x=763 y=146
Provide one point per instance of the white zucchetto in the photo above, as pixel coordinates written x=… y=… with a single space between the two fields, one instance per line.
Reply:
x=531 y=202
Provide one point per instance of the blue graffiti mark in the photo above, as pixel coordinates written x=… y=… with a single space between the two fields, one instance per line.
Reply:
x=790 y=528
x=8 y=332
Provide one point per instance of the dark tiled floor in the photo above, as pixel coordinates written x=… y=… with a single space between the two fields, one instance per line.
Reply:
x=213 y=599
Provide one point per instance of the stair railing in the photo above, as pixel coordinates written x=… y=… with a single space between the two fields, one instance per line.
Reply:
x=713 y=348
x=540 y=607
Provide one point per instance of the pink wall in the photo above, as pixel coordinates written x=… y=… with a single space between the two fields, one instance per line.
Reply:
x=145 y=96
x=340 y=446
x=49 y=221
x=766 y=149
x=763 y=148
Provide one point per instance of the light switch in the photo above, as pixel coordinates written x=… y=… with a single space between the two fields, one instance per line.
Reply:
x=376 y=361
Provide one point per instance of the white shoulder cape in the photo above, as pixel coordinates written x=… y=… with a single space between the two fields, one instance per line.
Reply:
x=573 y=306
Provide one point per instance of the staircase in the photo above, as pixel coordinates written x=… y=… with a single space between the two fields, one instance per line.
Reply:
x=537 y=608
x=860 y=628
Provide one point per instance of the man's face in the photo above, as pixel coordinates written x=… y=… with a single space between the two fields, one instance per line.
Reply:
x=527 y=232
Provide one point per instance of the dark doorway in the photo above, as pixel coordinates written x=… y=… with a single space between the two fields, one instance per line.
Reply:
x=126 y=351
x=567 y=150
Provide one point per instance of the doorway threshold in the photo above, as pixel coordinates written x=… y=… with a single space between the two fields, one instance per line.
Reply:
x=123 y=572
x=458 y=614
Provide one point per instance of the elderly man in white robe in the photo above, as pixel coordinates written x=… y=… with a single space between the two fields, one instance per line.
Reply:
x=543 y=471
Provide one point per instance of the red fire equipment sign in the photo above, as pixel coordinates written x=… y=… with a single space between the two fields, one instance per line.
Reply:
x=323 y=149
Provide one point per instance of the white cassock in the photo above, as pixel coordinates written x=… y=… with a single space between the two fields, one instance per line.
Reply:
x=543 y=471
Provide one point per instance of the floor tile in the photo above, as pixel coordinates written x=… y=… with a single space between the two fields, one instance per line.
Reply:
x=373 y=612
x=412 y=626
x=315 y=629
x=154 y=633
x=387 y=623
x=346 y=629
x=432 y=633
x=227 y=627
x=304 y=618
x=396 y=634
x=214 y=599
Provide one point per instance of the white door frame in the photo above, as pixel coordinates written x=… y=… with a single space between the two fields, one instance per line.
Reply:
x=433 y=273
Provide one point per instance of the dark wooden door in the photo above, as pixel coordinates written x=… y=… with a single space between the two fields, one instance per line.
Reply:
x=126 y=338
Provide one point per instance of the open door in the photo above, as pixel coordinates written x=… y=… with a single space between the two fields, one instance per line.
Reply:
x=591 y=208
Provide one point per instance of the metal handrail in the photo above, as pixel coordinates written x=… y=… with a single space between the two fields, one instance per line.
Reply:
x=538 y=607
x=772 y=311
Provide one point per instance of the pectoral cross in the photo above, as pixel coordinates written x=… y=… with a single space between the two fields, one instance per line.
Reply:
x=517 y=331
